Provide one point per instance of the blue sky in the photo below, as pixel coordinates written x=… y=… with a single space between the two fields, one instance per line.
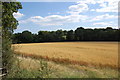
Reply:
x=36 y=16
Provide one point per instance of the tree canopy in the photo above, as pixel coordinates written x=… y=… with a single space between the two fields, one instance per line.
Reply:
x=80 y=34
x=9 y=23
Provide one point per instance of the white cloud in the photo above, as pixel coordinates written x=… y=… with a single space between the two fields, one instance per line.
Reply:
x=53 y=13
x=78 y=8
x=106 y=5
x=104 y=23
x=74 y=13
x=55 y=19
x=73 y=17
x=92 y=10
x=104 y=17
x=18 y=15
x=87 y=1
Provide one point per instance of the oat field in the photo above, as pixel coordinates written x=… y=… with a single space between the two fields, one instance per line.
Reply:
x=98 y=54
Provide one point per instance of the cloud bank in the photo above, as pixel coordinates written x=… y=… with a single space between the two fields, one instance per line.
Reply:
x=75 y=16
x=18 y=15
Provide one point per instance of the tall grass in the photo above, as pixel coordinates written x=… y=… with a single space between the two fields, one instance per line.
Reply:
x=66 y=61
x=26 y=67
x=18 y=72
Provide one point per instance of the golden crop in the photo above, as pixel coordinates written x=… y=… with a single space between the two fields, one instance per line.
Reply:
x=82 y=53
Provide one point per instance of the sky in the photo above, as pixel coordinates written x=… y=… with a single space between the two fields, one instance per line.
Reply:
x=51 y=16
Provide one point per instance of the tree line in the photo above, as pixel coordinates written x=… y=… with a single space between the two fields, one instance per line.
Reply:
x=80 y=34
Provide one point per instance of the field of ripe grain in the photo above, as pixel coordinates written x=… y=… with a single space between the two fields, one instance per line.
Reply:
x=82 y=53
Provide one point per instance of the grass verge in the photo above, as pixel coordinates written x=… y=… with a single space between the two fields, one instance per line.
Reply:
x=27 y=67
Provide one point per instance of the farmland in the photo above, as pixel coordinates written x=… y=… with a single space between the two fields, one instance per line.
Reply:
x=84 y=53
x=71 y=59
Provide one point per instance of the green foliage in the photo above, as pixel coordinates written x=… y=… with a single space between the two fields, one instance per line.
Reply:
x=9 y=23
x=18 y=72
x=44 y=71
x=80 y=34
x=26 y=36
x=70 y=35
